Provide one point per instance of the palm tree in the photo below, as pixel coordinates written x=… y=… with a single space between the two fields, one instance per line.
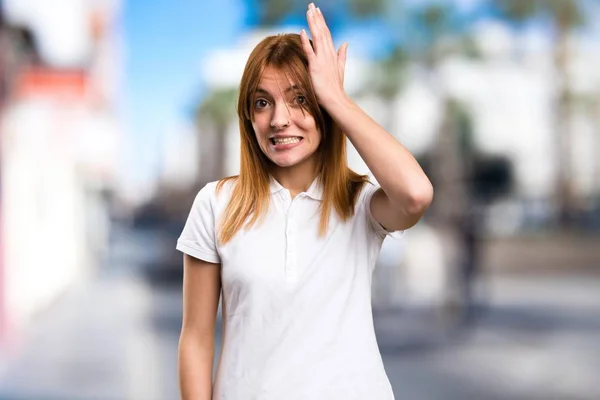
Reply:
x=450 y=161
x=438 y=38
x=565 y=16
x=386 y=81
x=273 y=12
x=213 y=117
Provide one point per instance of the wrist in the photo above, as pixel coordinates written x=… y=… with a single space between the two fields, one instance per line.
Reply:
x=336 y=102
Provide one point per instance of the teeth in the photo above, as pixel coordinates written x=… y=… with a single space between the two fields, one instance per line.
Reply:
x=286 y=140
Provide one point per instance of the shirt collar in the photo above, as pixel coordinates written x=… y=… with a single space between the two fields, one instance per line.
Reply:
x=315 y=190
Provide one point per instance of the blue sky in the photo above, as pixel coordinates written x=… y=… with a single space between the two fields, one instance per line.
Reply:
x=164 y=46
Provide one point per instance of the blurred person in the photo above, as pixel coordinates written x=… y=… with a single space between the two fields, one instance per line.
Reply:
x=292 y=241
x=450 y=250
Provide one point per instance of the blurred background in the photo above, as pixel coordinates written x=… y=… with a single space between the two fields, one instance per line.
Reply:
x=114 y=113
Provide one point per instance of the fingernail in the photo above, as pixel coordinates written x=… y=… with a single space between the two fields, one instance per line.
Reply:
x=318 y=10
x=311 y=5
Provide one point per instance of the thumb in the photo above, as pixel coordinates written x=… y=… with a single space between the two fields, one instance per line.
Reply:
x=342 y=55
x=342 y=52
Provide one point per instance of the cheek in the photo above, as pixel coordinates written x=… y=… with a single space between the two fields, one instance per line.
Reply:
x=260 y=134
x=307 y=123
x=315 y=134
x=259 y=128
x=256 y=131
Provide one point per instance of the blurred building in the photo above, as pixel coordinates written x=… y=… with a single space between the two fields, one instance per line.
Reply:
x=512 y=101
x=60 y=139
x=180 y=156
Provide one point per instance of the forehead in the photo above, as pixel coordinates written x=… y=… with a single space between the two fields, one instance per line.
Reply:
x=274 y=79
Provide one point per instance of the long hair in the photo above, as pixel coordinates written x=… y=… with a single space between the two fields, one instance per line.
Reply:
x=251 y=194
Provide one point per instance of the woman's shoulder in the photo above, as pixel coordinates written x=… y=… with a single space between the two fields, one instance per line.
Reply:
x=217 y=191
x=365 y=189
x=368 y=188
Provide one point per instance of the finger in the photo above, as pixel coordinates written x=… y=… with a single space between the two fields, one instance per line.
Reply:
x=310 y=53
x=320 y=21
x=312 y=25
x=323 y=28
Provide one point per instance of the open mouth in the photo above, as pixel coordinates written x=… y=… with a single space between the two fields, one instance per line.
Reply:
x=287 y=140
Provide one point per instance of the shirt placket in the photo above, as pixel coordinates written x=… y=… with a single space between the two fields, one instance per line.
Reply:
x=291 y=272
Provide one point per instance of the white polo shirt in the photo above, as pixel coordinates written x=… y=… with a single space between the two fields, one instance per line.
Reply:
x=298 y=321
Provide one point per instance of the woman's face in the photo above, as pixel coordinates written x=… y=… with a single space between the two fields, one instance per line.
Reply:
x=287 y=134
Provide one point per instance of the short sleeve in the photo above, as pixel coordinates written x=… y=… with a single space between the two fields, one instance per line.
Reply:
x=198 y=238
x=368 y=193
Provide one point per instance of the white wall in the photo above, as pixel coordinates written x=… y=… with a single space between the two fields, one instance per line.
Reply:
x=44 y=248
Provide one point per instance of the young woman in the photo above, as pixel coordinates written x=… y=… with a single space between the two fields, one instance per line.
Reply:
x=292 y=241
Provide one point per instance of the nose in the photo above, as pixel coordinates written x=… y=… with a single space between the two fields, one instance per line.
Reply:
x=281 y=117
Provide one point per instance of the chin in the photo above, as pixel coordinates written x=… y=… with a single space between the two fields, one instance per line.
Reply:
x=286 y=162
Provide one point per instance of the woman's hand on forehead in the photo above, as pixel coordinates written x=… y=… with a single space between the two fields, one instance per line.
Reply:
x=326 y=65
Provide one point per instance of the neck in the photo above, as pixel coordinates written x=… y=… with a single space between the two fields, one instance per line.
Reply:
x=296 y=179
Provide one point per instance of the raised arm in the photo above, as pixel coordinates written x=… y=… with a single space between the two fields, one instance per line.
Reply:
x=406 y=191
x=201 y=291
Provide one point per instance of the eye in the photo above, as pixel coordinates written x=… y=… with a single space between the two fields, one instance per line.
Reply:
x=300 y=100
x=260 y=103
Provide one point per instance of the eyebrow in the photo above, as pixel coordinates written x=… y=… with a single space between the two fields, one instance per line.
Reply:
x=291 y=88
